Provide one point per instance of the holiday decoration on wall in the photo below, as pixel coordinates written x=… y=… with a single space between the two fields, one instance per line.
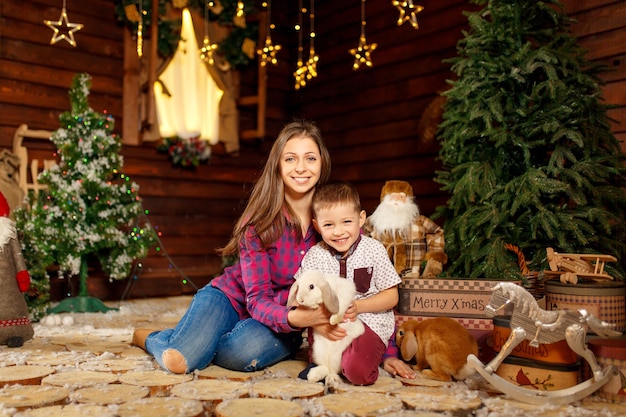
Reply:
x=362 y=52
x=186 y=153
x=268 y=52
x=238 y=48
x=300 y=72
x=208 y=48
x=408 y=12
x=90 y=211
x=305 y=71
x=63 y=29
x=526 y=145
x=311 y=64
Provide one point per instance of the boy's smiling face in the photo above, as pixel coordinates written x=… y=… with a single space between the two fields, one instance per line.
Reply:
x=339 y=224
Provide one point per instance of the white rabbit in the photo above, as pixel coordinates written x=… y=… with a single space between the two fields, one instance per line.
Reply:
x=313 y=289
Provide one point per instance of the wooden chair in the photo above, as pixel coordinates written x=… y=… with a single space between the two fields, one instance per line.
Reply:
x=30 y=182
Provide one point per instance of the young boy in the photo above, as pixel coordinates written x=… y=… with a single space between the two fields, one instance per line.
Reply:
x=344 y=251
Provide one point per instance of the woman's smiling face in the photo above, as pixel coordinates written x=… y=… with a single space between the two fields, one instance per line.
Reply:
x=300 y=165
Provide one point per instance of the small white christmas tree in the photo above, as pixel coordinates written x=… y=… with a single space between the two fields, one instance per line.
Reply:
x=90 y=209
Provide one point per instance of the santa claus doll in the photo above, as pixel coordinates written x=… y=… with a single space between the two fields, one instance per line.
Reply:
x=410 y=238
x=15 y=326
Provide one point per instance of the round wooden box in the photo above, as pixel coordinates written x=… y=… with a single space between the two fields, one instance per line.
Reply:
x=611 y=352
x=555 y=353
x=605 y=300
x=537 y=375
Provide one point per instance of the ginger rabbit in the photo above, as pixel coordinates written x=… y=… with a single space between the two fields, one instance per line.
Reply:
x=441 y=344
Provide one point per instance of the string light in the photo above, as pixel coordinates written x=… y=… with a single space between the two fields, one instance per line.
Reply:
x=408 y=11
x=140 y=31
x=300 y=73
x=362 y=53
x=68 y=28
x=268 y=52
x=240 y=18
x=313 y=57
x=208 y=48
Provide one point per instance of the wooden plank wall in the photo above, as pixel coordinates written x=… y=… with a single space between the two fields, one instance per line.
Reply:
x=369 y=117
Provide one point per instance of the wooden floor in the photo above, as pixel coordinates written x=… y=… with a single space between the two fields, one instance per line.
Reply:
x=83 y=364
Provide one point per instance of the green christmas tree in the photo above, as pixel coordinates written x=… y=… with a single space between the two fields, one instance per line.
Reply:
x=527 y=151
x=90 y=210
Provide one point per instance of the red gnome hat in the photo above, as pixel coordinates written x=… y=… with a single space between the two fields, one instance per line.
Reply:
x=23 y=278
x=4 y=206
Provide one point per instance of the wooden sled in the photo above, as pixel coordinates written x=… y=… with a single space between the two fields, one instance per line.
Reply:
x=537 y=397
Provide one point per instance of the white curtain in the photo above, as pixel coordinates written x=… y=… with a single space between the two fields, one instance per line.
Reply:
x=186 y=95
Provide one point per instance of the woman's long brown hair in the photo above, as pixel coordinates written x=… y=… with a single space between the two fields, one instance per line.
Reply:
x=267 y=199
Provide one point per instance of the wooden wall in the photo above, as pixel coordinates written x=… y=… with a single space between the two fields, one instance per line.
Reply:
x=370 y=117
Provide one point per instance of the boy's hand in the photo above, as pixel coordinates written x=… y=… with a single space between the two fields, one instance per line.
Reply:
x=351 y=313
x=397 y=367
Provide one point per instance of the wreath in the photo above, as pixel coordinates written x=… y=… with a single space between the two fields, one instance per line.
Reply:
x=224 y=12
x=186 y=152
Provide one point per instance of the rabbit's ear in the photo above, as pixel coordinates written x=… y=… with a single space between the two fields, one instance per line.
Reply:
x=330 y=298
x=292 y=293
x=408 y=345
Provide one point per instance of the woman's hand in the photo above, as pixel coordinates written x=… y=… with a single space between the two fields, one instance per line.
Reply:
x=319 y=318
x=331 y=332
x=308 y=317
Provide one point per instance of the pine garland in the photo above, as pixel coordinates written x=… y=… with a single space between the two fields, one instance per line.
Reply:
x=169 y=29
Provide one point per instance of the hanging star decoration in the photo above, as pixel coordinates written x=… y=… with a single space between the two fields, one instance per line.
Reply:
x=268 y=52
x=408 y=12
x=208 y=48
x=362 y=53
x=63 y=29
x=311 y=64
x=301 y=69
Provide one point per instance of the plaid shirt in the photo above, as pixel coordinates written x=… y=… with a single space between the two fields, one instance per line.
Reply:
x=408 y=247
x=258 y=284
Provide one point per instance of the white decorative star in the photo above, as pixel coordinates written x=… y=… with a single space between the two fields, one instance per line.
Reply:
x=63 y=29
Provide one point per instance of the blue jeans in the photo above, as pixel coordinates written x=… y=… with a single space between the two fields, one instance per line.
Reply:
x=211 y=331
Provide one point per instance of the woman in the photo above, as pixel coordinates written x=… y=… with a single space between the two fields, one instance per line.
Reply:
x=240 y=320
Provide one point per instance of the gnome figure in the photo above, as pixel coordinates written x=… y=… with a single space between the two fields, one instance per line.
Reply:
x=15 y=326
x=410 y=238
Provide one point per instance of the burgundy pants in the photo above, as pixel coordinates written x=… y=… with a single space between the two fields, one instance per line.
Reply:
x=361 y=359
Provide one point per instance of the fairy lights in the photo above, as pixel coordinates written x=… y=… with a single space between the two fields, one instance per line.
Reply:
x=268 y=52
x=63 y=29
x=408 y=12
x=362 y=53
x=208 y=48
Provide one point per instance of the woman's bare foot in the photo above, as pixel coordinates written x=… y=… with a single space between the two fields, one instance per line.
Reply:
x=139 y=337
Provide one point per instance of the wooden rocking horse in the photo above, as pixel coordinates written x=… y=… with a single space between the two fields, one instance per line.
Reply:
x=530 y=322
